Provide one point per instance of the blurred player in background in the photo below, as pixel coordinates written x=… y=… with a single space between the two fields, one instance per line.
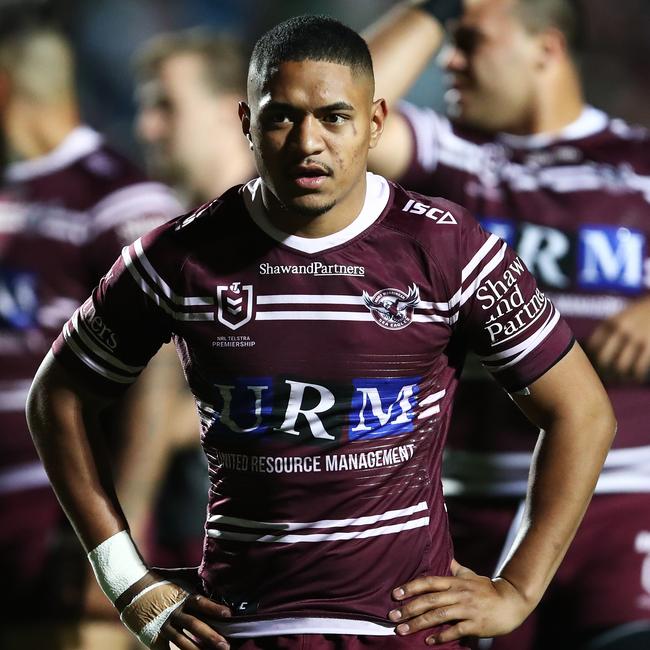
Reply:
x=68 y=204
x=569 y=188
x=189 y=84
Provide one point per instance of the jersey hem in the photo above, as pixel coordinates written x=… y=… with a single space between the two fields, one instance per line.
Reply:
x=302 y=625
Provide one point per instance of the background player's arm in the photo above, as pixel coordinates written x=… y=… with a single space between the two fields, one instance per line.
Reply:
x=401 y=43
x=63 y=420
x=571 y=407
x=161 y=418
x=620 y=346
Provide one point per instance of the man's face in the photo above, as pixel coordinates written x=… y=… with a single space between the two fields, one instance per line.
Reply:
x=179 y=117
x=491 y=66
x=311 y=124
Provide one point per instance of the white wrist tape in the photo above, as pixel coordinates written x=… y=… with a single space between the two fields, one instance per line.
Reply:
x=147 y=612
x=117 y=564
x=149 y=633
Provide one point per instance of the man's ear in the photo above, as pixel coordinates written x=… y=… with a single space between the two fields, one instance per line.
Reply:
x=245 y=119
x=377 y=120
x=552 y=46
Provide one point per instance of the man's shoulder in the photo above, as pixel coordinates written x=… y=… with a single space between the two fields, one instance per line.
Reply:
x=624 y=143
x=109 y=173
x=80 y=174
x=425 y=217
x=201 y=226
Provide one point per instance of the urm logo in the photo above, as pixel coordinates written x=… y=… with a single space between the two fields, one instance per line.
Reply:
x=611 y=258
x=596 y=258
x=382 y=407
x=368 y=409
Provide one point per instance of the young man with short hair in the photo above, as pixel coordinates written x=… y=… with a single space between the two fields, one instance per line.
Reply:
x=322 y=315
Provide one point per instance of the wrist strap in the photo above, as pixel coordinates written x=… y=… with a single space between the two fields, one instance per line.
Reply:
x=117 y=564
x=147 y=612
x=441 y=10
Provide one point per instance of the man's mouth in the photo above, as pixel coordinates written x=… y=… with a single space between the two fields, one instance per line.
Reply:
x=309 y=176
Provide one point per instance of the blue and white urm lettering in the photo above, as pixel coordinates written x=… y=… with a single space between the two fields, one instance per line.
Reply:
x=262 y=405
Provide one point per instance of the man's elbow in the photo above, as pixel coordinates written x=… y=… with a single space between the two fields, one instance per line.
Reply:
x=38 y=397
x=599 y=418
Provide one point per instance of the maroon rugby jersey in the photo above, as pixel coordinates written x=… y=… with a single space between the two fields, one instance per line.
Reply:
x=576 y=208
x=323 y=371
x=64 y=218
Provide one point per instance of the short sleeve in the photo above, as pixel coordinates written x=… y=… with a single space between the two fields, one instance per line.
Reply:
x=109 y=340
x=514 y=329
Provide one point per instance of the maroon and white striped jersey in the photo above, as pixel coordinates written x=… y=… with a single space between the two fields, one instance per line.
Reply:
x=324 y=371
x=576 y=209
x=64 y=218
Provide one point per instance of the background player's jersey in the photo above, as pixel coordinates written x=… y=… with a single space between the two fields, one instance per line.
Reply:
x=324 y=371
x=64 y=218
x=576 y=208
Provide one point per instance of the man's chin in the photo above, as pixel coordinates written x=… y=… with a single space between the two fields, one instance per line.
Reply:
x=307 y=206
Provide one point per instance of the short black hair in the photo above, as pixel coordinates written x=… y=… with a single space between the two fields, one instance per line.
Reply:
x=310 y=38
x=565 y=15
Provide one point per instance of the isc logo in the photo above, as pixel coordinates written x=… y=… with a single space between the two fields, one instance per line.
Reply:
x=438 y=215
x=368 y=409
x=596 y=258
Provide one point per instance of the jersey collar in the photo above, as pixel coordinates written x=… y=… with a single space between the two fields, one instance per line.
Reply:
x=590 y=121
x=377 y=195
x=78 y=143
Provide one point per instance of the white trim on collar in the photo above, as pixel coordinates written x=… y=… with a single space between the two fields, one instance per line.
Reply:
x=590 y=121
x=78 y=143
x=377 y=195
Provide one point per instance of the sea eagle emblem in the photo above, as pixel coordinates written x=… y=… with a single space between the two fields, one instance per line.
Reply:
x=392 y=308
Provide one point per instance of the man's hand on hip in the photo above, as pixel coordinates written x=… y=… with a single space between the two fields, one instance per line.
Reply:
x=470 y=604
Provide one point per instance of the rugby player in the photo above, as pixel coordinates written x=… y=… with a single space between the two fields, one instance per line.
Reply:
x=187 y=82
x=68 y=204
x=324 y=397
x=567 y=186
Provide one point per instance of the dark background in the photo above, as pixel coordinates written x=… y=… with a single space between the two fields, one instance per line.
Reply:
x=105 y=33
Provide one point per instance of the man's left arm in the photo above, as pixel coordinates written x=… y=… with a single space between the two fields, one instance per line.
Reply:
x=571 y=407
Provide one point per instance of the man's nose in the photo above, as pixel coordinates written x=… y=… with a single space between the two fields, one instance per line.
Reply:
x=308 y=135
x=452 y=59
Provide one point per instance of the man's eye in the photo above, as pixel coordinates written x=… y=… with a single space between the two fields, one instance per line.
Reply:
x=279 y=118
x=466 y=40
x=335 y=118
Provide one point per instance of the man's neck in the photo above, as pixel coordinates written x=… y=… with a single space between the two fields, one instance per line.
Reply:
x=35 y=130
x=217 y=178
x=560 y=103
x=341 y=215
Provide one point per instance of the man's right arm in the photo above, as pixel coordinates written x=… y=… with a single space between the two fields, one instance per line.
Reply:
x=64 y=425
x=63 y=420
x=401 y=43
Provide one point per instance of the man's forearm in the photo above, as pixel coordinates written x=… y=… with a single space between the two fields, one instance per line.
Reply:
x=565 y=469
x=401 y=43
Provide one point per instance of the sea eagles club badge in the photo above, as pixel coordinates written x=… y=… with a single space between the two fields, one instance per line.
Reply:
x=234 y=304
x=392 y=308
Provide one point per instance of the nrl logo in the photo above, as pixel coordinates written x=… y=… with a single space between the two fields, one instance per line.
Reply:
x=234 y=304
x=392 y=308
